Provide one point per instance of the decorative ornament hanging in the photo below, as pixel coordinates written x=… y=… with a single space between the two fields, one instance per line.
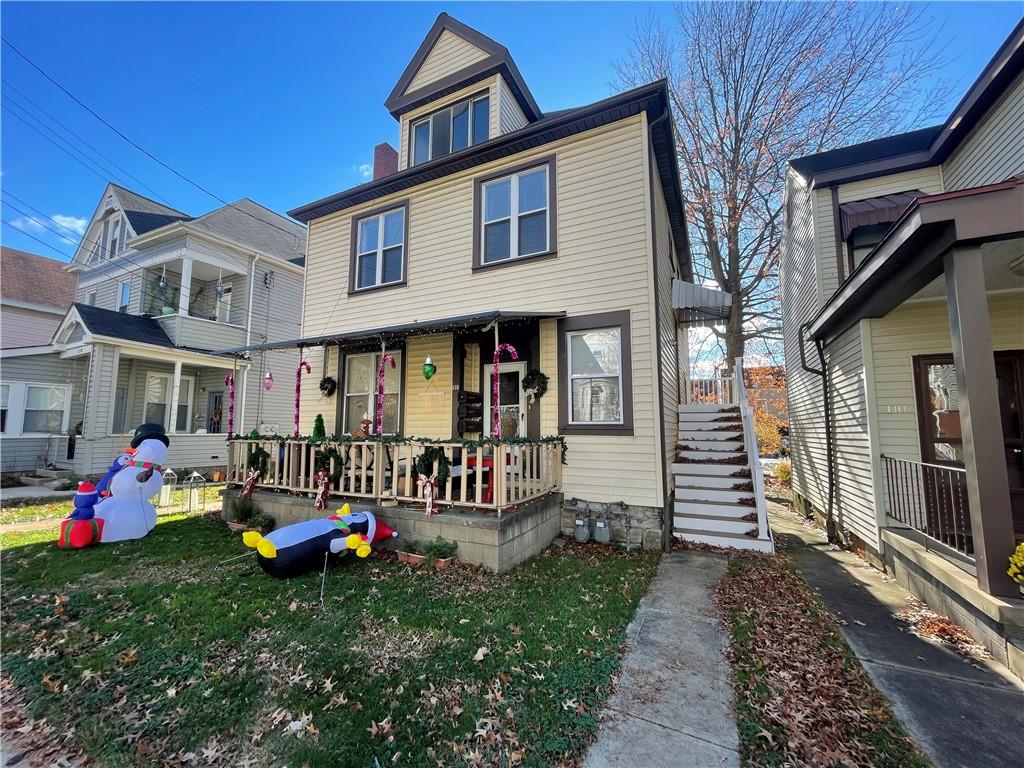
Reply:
x=229 y=382
x=379 y=423
x=328 y=386
x=250 y=483
x=298 y=389
x=429 y=369
x=219 y=288
x=535 y=384
x=495 y=403
x=162 y=283
x=268 y=381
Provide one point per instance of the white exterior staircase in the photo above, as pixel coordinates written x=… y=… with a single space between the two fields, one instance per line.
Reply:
x=719 y=485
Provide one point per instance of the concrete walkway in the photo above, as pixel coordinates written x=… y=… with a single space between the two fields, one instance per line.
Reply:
x=35 y=492
x=961 y=712
x=673 y=705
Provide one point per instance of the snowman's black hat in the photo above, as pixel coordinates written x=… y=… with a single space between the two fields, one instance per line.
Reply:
x=150 y=431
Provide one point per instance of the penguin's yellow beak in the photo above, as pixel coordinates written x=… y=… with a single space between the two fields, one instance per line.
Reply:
x=251 y=539
x=254 y=540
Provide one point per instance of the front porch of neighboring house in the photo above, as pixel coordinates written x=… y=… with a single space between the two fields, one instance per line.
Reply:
x=132 y=385
x=944 y=353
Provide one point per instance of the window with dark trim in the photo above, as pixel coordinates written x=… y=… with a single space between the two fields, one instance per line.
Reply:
x=595 y=374
x=360 y=392
x=448 y=130
x=379 y=250
x=514 y=214
x=862 y=241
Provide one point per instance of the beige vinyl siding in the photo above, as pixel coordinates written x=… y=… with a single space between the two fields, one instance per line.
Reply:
x=994 y=150
x=922 y=328
x=450 y=54
x=490 y=85
x=799 y=288
x=602 y=265
x=928 y=180
x=854 y=493
x=549 y=364
x=427 y=405
x=27 y=327
x=510 y=116
x=666 y=326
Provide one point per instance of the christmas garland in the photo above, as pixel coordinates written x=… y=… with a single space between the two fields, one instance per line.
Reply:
x=328 y=386
x=424 y=464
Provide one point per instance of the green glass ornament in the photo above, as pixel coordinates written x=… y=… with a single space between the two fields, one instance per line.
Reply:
x=429 y=369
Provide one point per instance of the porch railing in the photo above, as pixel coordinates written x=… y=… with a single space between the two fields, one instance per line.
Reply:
x=931 y=499
x=719 y=390
x=489 y=476
x=753 y=453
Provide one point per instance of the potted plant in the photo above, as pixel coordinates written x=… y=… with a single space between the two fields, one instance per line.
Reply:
x=437 y=553
x=410 y=552
x=262 y=522
x=243 y=511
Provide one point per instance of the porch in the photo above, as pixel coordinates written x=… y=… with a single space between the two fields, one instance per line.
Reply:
x=944 y=292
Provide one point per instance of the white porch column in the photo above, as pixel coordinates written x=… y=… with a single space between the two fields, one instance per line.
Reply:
x=175 y=392
x=186 y=286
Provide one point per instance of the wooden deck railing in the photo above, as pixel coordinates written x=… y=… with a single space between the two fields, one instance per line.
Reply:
x=486 y=476
x=720 y=391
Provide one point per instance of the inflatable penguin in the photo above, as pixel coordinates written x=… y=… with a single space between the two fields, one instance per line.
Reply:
x=296 y=549
x=82 y=528
x=128 y=513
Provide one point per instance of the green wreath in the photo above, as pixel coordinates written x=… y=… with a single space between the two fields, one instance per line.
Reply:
x=328 y=386
x=535 y=383
x=323 y=461
x=257 y=457
x=425 y=463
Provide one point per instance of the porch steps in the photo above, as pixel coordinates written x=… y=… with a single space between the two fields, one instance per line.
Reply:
x=711 y=459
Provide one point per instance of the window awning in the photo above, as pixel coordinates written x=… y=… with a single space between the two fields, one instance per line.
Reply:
x=698 y=306
x=393 y=332
x=875 y=210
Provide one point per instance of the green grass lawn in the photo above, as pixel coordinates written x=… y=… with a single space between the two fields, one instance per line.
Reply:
x=146 y=653
x=32 y=510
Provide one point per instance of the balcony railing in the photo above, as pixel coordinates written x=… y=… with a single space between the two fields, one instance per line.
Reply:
x=493 y=476
x=718 y=391
x=931 y=499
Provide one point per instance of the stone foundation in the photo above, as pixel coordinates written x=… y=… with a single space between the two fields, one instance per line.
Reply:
x=644 y=523
x=498 y=544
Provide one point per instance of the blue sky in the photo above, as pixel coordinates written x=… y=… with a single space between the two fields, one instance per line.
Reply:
x=283 y=103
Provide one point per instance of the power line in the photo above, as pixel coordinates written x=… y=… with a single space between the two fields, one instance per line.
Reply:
x=89 y=168
x=81 y=139
x=41 y=242
x=140 y=148
x=17 y=199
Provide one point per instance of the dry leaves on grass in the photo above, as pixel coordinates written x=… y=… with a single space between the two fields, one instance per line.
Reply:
x=31 y=742
x=801 y=697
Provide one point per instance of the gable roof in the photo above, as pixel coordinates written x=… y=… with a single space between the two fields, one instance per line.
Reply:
x=248 y=223
x=497 y=60
x=35 y=279
x=927 y=146
x=120 y=325
x=143 y=213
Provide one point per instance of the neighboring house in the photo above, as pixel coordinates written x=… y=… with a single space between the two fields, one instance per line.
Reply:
x=158 y=292
x=35 y=293
x=560 y=233
x=903 y=282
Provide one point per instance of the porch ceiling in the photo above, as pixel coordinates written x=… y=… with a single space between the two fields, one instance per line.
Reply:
x=1004 y=270
x=391 y=332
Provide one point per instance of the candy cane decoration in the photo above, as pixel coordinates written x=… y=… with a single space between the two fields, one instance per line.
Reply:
x=495 y=405
x=229 y=382
x=379 y=423
x=298 y=389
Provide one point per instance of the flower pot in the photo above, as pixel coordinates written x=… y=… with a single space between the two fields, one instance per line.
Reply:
x=409 y=557
x=439 y=564
x=238 y=526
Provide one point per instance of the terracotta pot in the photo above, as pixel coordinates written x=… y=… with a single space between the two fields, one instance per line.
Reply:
x=409 y=557
x=238 y=526
x=443 y=563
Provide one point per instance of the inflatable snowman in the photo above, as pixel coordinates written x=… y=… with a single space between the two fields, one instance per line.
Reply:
x=127 y=512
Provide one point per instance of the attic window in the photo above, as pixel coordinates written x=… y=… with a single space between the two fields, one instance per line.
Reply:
x=450 y=129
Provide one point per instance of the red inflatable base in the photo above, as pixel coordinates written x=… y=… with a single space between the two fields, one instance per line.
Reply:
x=78 y=534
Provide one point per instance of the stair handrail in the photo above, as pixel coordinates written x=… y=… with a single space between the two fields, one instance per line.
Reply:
x=752 y=450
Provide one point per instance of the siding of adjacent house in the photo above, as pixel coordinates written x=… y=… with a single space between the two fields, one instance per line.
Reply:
x=449 y=55
x=994 y=150
x=24 y=453
x=27 y=327
x=603 y=265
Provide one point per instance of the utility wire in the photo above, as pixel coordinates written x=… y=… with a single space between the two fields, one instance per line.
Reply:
x=38 y=240
x=140 y=148
x=89 y=168
x=71 y=132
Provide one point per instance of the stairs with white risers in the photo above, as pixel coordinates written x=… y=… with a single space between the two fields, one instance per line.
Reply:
x=714 y=498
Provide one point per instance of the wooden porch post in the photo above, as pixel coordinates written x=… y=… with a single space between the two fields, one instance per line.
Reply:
x=186 y=286
x=988 y=487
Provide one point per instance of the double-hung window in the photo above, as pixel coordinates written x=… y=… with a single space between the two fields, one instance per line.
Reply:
x=45 y=410
x=595 y=376
x=515 y=216
x=451 y=129
x=125 y=296
x=5 y=396
x=361 y=392
x=379 y=253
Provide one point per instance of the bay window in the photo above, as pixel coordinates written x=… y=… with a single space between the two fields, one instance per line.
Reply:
x=379 y=248
x=594 y=362
x=514 y=214
x=361 y=392
x=450 y=129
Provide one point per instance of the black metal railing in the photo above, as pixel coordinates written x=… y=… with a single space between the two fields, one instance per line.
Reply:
x=931 y=499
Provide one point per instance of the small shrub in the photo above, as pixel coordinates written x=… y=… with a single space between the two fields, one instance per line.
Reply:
x=263 y=522
x=411 y=546
x=439 y=549
x=784 y=472
x=244 y=510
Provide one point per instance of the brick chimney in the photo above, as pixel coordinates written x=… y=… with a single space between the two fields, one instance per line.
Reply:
x=385 y=161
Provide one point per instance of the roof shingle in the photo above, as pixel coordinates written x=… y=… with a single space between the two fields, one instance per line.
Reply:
x=35 y=279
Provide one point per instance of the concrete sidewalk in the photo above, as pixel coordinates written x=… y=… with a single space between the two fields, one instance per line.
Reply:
x=961 y=712
x=673 y=705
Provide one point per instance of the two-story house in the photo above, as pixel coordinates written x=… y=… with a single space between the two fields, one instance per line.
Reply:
x=903 y=310
x=158 y=291
x=561 y=234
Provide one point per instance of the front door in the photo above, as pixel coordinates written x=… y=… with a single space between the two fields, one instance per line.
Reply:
x=214 y=410
x=511 y=399
x=1010 y=384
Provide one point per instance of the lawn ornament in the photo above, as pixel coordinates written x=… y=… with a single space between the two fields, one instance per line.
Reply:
x=128 y=513
x=306 y=546
x=81 y=528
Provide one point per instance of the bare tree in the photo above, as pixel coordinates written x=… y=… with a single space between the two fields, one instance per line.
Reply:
x=754 y=84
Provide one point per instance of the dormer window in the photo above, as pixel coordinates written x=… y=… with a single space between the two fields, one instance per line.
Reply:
x=450 y=129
